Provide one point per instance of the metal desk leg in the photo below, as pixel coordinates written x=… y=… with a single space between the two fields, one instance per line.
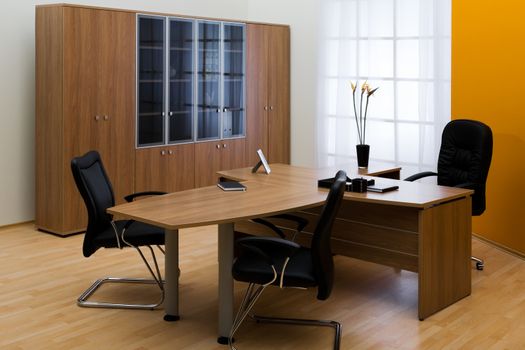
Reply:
x=171 y=302
x=225 y=281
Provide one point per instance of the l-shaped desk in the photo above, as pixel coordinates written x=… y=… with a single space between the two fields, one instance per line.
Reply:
x=420 y=227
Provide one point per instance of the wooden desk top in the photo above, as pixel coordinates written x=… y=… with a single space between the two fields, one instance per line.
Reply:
x=411 y=194
x=286 y=188
x=211 y=205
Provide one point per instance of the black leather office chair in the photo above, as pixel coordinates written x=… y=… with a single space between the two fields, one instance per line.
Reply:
x=464 y=161
x=265 y=261
x=102 y=232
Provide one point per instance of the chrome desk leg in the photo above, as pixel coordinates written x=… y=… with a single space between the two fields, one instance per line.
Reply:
x=171 y=303
x=225 y=281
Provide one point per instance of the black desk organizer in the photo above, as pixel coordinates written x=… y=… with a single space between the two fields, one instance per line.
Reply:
x=326 y=183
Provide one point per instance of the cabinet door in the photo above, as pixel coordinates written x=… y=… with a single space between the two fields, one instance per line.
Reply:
x=232 y=154
x=116 y=98
x=233 y=112
x=81 y=127
x=151 y=170
x=167 y=169
x=208 y=80
x=151 y=83
x=279 y=95
x=181 y=171
x=207 y=163
x=181 y=77
x=256 y=91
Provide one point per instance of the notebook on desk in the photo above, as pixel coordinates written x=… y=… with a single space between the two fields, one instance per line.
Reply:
x=231 y=186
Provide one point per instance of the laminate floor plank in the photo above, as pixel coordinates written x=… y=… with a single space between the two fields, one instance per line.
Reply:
x=42 y=275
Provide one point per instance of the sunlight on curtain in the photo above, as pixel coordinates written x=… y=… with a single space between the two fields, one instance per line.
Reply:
x=402 y=47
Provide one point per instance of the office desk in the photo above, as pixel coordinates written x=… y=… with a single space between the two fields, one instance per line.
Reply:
x=422 y=228
x=211 y=205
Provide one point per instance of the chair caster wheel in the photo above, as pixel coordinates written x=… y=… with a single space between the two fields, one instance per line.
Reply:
x=479 y=266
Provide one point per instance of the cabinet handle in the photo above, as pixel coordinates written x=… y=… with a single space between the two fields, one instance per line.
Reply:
x=106 y=117
x=163 y=114
x=163 y=153
x=271 y=108
x=171 y=114
x=218 y=146
x=265 y=108
x=170 y=152
x=97 y=118
x=225 y=110
x=218 y=110
x=224 y=145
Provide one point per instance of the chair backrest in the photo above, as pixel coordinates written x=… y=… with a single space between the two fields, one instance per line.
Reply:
x=96 y=191
x=321 y=247
x=465 y=156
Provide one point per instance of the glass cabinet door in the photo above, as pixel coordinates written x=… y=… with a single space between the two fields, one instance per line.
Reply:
x=208 y=79
x=233 y=81
x=150 y=85
x=181 y=76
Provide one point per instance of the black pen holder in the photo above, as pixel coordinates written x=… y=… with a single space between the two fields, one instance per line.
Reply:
x=359 y=185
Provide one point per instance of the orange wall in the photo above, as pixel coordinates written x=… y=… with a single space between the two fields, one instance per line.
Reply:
x=488 y=84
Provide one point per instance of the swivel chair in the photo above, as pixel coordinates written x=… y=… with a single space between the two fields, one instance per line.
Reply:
x=265 y=261
x=464 y=161
x=103 y=232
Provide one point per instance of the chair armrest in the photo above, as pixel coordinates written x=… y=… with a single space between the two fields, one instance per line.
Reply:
x=420 y=175
x=271 y=226
x=262 y=245
x=467 y=185
x=131 y=197
x=301 y=223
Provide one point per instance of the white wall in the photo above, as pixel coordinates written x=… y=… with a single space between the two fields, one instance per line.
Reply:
x=17 y=94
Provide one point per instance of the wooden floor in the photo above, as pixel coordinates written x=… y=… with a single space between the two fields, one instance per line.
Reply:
x=42 y=275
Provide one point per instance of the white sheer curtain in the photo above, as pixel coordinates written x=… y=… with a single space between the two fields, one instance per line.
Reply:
x=402 y=47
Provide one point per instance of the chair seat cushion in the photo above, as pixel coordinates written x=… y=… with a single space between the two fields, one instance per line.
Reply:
x=299 y=271
x=138 y=234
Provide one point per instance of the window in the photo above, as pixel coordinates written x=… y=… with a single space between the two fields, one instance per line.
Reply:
x=402 y=47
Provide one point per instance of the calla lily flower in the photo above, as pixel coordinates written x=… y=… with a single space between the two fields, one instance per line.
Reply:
x=360 y=117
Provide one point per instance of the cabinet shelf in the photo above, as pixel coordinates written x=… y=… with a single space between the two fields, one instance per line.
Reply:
x=234 y=75
x=150 y=114
x=150 y=81
x=151 y=47
x=180 y=49
x=180 y=80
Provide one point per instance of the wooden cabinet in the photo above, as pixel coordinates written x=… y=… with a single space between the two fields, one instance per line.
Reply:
x=202 y=85
x=268 y=92
x=210 y=157
x=84 y=100
x=168 y=169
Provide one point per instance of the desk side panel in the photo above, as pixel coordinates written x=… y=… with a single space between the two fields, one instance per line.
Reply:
x=444 y=250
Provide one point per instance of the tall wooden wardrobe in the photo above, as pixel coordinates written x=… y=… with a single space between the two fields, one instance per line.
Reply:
x=86 y=99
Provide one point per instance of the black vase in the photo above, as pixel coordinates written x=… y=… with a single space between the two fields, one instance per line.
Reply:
x=363 y=151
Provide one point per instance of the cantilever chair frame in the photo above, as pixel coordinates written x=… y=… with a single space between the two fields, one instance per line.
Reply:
x=252 y=293
x=121 y=241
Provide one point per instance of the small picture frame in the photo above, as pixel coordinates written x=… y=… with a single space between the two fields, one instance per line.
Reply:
x=263 y=162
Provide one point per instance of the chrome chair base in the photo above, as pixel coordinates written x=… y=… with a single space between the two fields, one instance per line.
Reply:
x=84 y=302
x=480 y=264
x=251 y=296
x=302 y=322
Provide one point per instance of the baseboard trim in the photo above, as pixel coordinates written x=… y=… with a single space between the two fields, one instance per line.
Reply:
x=500 y=246
x=2 y=227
